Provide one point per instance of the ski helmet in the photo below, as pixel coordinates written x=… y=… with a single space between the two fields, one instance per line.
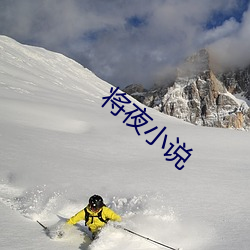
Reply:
x=95 y=202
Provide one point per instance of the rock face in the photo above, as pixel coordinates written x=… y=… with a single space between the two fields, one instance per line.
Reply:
x=136 y=90
x=237 y=81
x=201 y=97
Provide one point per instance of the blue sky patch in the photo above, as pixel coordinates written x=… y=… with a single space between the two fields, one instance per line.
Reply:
x=219 y=17
x=136 y=21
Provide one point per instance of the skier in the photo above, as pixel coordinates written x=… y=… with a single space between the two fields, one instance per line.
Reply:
x=95 y=214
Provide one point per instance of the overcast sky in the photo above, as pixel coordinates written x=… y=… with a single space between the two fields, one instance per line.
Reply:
x=131 y=41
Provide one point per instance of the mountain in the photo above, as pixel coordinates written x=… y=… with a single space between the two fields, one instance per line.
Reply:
x=59 y=146
x=201 y=96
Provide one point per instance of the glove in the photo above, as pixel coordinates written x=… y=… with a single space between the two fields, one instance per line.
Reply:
x=60 y=234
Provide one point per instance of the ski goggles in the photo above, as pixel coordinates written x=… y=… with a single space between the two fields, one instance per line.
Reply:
x=94 y=208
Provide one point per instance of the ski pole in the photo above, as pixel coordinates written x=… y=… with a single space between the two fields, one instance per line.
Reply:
x=45 y=228
x=146 y=238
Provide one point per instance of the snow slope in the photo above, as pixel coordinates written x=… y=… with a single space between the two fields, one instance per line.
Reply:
x=58 y=146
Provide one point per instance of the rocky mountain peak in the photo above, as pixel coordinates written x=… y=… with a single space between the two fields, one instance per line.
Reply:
x=196 y=64
x=200 y=96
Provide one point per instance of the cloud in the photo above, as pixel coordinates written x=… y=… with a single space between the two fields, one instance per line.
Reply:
x=228 y=28
x=233 y=49
x=121 y=41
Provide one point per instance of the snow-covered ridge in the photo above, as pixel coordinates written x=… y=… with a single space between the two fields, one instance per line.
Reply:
x=58 y=146
x=32 y=74
x=36 y=66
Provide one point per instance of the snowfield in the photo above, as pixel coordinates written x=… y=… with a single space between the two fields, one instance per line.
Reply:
x=58 y=146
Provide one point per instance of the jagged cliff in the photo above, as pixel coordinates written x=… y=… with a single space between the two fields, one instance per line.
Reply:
x=200 y=96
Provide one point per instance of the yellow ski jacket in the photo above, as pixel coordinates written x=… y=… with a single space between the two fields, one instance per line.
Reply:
x=94 y=223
